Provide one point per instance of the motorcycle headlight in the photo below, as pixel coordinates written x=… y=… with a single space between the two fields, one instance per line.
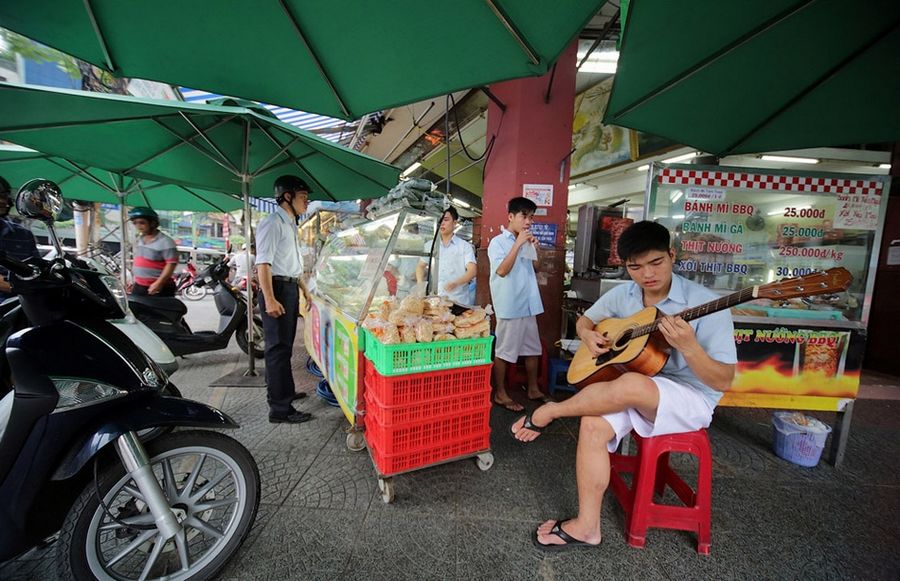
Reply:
x=117 y=290
x=76 y=393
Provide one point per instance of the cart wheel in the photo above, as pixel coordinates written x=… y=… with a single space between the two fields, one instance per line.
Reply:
x=485 y=461
x=386 y=486
x=356 y=441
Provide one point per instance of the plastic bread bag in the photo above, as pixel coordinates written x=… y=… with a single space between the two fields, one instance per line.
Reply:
x=444 y=337
x=407 y=334
x=402 y=318
x=470 y=317
x=390 y=335
x=424 y=331
x=387 y=307
x=413 y=304
x=440 y=316
x=473 y=331
x=443 y=327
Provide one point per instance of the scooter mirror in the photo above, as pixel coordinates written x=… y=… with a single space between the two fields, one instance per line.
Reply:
x=39 y=199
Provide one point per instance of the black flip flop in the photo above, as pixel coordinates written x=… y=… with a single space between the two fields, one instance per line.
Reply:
x=527 y=424
x=570 y=541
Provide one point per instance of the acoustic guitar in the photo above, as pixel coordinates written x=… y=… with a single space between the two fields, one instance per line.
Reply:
x=637 y=345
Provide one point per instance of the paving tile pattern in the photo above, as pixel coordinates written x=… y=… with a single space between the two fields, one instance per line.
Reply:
x=321 y=515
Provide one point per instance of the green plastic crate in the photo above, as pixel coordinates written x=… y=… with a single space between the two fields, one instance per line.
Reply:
x=405 y=358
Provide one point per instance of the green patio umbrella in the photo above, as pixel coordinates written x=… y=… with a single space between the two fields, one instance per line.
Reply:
x=79 y=182
x=747 y=77
x=228 y=149
x=342 y=58
x=212 y=147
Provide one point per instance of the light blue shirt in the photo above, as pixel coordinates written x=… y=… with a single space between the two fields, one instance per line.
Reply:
x=515 y=295
x=277 y=244
x=714 y=332
x=453 y=258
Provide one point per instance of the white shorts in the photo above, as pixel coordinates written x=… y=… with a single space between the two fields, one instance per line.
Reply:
x=517 y=337
x=682 y=408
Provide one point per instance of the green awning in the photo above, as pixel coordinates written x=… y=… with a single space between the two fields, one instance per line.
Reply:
x=194 y=145
x=79 y=182
x=342 y=58
x=747 y=77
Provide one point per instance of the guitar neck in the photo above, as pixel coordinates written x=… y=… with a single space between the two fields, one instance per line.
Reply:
x=720 y=304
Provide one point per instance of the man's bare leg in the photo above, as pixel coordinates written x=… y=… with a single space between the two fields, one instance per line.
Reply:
x=592 y=475
x=631 y=390
x=501 y=397
x=532 y=364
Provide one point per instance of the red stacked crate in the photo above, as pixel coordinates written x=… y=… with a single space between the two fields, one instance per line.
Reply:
x=420 y=419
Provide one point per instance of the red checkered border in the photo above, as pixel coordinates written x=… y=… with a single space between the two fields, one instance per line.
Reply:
x=749 y=181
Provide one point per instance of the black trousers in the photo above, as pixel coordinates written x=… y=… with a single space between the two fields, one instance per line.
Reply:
x=280 y=333
x=167 y=290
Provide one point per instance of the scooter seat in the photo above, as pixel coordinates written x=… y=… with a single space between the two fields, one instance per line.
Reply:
x=170 y=304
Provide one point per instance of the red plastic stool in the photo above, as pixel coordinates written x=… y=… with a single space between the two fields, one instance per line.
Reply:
x=651 y=473
x=517 y=375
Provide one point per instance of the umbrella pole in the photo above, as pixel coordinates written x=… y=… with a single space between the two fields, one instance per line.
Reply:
x=251 y=369
x=123 y=247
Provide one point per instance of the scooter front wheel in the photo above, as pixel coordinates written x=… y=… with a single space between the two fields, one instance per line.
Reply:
x=211 y=483
x=259 y=340
x=193 y=293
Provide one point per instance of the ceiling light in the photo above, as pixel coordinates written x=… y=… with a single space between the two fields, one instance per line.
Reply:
x=678 y=217
x=461 y=203
x=644 y=167
x=884 y=165
x=410 y=169
x=684 y=157
x=787 y=159
x=601 y=61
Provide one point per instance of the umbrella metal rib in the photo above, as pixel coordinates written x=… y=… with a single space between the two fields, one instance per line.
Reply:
x=176 y=144
x=227 y=165
x=100 y=39
x=511 y=28
x=315 y=58
x=703 y=63
x=296 y=161
x=209 y=142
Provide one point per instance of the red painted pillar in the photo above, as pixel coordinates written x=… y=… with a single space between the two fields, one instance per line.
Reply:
x=533 y=138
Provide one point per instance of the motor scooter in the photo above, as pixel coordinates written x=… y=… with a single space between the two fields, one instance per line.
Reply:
x=70 y=457
x=165 y=316
x=184 y=284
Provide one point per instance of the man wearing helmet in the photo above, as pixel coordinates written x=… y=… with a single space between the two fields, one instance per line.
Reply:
x=278 y=268
x=155 y=255
x=16 y=240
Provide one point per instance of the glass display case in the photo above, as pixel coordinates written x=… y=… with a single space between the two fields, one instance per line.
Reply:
x=358 y=267
x=315 y=230
x=374 y=261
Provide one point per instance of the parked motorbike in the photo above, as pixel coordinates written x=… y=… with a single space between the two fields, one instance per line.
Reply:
x=139 y=333
x=184 y=284
x=70 y=457
x=165 y=316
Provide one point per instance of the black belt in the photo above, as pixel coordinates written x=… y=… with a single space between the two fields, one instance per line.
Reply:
x=293 y=279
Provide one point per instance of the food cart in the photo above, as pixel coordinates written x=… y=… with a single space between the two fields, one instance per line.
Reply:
x=739 y=227
x=358 y=268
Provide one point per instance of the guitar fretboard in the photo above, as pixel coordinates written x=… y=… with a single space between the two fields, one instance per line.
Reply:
x=725 y=302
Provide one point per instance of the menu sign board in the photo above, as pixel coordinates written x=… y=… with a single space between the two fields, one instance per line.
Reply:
x=738 y=227
x=734 y=228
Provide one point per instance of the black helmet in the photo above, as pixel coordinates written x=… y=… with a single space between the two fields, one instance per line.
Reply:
x=289 y=183
x=143 y=212
x=5 y=188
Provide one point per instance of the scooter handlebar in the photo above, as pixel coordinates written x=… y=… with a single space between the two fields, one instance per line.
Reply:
x=18 y=267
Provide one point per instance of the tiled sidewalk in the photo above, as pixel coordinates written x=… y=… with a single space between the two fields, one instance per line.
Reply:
x=321 y=516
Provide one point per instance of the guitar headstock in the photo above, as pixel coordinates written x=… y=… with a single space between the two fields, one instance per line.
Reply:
x=818 y=283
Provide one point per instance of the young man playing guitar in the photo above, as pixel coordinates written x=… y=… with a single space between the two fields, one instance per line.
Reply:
x=681 y=398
